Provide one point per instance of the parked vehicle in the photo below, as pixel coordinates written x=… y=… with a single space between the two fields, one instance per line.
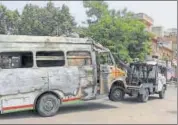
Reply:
x=144 y=79
x=42 y=73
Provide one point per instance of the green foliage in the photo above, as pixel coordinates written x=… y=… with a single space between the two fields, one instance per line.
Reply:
x=119 y=31
x=99 y=9
x=67 y=21
x=9 y=21
x=2 y=18
x=49 y=20
x=30 y=23
x=82 y=31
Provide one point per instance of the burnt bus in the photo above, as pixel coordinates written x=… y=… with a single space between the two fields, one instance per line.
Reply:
x=42 y=73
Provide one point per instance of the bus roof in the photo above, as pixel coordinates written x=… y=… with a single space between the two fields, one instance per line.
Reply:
x=42 y=39
x=16 y=41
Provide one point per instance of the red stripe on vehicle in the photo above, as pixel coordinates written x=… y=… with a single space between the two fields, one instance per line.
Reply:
x=17 y=107
x=71 y=99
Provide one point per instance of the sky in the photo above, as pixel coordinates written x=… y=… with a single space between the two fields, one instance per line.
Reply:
x=164 y=13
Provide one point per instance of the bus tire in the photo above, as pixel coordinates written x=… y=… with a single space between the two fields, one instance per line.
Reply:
x=116 y=94
x=47 y=105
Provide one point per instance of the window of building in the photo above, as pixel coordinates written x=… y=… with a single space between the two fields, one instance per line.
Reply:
x=10 y=60
x=50 y=59
x=79 y=58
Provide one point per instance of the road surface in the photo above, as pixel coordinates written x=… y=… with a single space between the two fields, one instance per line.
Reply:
x=104 y=111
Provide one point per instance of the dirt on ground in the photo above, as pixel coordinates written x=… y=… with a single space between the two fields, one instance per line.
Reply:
x=103 y=111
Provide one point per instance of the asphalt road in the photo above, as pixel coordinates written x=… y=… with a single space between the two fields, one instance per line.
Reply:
x=162 y=111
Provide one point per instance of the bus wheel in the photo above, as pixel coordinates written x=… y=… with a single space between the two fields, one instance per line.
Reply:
x=47 y=105
x=116 y=94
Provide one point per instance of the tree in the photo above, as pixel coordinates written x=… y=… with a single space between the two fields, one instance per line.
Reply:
x=66 y=21
x=30 y=21
x=3 y=19
x=124 y=35
x=81 y=31
x=9 y=21
x=49 y=20
x=96 y=9
x=13 y=20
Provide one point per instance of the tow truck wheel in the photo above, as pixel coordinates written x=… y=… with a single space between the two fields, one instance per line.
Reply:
x=144 y=97
x=162 y=93
x=116 y=94
x=48 y=105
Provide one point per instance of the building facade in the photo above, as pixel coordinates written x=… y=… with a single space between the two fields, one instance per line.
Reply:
x=147 y=20
x=164 y=43
x=173 y=38
x=165 y=49
x=171 y=32
x=158 y=31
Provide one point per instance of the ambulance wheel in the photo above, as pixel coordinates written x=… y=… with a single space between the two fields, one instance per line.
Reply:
x=47 y=105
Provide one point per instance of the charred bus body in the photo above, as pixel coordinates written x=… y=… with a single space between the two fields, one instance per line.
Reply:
x=43 y=73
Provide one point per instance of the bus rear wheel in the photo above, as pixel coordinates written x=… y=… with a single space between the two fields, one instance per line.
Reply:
x=47 y=105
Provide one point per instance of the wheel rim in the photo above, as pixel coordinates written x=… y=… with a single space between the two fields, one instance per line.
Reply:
x=48 y=105
x=117 y=93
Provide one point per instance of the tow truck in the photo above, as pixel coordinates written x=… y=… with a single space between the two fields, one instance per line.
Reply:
x=144 y=79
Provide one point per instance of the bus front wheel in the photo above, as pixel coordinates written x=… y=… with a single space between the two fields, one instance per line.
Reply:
x=116 y=94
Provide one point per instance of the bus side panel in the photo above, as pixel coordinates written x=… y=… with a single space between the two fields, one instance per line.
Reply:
x=17 y=87
x=87 y=82
x=64 y=79
x=14 y=81
x=18 y=102
x=75 y=83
